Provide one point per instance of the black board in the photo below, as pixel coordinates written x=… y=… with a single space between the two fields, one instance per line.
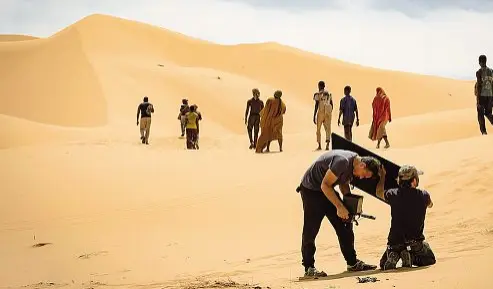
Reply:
x=367 y=185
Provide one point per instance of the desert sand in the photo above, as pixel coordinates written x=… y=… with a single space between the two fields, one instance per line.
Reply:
x=118 y=214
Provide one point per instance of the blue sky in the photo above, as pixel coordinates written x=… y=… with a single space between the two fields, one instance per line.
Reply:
x=436 y=37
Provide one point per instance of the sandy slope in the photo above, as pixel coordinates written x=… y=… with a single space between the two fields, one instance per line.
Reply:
x=122 y=214
x=16 y=37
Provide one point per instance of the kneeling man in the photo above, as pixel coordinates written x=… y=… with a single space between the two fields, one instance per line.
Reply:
x=408 y=209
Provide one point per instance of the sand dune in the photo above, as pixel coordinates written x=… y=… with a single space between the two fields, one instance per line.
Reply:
x=16 y=37
x=112 y=212
x=51 y=81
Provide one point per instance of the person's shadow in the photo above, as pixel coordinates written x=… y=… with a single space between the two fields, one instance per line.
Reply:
x=362 y=273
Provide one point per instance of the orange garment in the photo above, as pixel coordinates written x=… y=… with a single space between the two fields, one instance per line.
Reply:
x=271 y=122
x=381 y=114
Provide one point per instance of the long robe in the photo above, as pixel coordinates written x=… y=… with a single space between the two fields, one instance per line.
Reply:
x=381 y=115
x=271 y=122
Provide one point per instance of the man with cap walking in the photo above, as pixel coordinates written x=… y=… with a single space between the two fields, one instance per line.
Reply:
x=408 y=206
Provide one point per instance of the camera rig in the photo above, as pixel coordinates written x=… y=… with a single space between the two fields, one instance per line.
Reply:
x=354 y=204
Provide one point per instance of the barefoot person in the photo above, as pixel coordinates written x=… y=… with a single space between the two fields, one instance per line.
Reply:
x=336 y=167
x=322 y=115
x=145 y=109
x=381 y=116
x=347 y=109
x=271 y=122
x=184 y=108
x=484 y=94
x=191 y=127
x=254 y=106
x=408 y=206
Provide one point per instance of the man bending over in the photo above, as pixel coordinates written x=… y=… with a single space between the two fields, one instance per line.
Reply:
x=320 y=200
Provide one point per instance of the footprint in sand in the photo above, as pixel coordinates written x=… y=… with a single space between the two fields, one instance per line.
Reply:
x=94 y=254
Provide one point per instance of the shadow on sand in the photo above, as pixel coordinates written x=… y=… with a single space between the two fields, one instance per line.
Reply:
x=361 y=273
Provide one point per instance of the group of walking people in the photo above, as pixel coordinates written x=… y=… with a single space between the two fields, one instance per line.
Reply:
x=189 y=118
x=348 y=110
x=264 y=122
x=269 y=119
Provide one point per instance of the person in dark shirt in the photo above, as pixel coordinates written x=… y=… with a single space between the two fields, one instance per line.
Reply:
x=408 y=206
x=347 y=109
x=484 y=94
x=335 y=167
x=184 y=108
x=254 y=106
x=145 y=109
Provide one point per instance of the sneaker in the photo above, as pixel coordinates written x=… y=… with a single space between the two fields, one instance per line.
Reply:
x=361 y=266
x=392 y=259
x=406 y=258
x=313 y=272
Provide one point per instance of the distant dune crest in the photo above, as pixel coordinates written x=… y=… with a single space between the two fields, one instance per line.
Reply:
x=15 y=37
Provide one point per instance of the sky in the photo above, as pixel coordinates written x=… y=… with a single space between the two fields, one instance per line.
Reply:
x=434 y=37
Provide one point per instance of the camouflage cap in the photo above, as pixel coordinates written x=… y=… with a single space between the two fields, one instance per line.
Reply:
x=408 y=172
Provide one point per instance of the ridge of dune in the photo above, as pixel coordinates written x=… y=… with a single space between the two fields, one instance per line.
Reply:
x=51 y=81
x=16 y=37
x=292 y=70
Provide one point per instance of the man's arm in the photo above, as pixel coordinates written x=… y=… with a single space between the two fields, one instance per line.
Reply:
x=356 y=110
x=329 y=179
x=345 y=190
x=138 y=113
x=341 y=110
x=380 y=190
x=246 y=110
x=315 y=111
x=428 y=199
x=479 y=82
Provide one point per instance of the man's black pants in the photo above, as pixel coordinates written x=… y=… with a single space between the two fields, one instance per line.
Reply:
x=484 y=109
x=316 y=206
x=348 y=132
x=253 y=124
x=421 y=254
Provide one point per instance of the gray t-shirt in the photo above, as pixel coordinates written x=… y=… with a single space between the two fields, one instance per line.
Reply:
x=340 y=162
